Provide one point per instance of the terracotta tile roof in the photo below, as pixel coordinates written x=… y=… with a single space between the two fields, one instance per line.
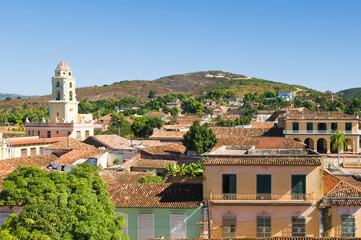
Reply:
x=176 y=195
x=166 y=149
x=74 y=155
x=34 y=141
x=340 y=191
x=171 y=135
x=262 y=124
x=177 y=126
x=146 y=163
x=264 y=160
x=307 y=114
x=155 y=114
x=113 y=142
x=107 y=117
x=237 y=136
x=72 y=143
x=37 y=160
x=114 y=177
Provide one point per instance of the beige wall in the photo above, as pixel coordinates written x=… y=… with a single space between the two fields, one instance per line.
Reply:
x=61 y=132
x=341 y=124
x=337 y=212
x=247 y=178
x=281 y=219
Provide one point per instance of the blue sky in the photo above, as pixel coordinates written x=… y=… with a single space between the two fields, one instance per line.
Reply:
x=311 y=43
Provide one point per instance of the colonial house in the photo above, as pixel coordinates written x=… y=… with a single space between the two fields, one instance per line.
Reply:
x=315 y=128
x=64 y=119
x=25 y=146
x=269 y=188
x=287 y=96
x=161 y=211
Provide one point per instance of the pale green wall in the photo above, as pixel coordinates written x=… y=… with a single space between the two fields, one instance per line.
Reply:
x=162 y=220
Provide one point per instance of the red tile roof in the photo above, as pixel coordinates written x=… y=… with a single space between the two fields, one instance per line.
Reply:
x=155 y=114
x=114 y=177
x=166 y=149
x=74 y=155
x=113 y=142
x=340 y=192
x=166 y=195
x=34 y=141
x=70 y=143
x=37 y=160
x=170 y=135
x=146 y=163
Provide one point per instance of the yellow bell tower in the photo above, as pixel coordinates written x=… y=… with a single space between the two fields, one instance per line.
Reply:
x=63 y=105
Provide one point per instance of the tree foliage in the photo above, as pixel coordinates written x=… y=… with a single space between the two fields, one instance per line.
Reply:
x=150 y=179
x=199 y=138
x=192 y=170
x=59 y=205
x=143 y=127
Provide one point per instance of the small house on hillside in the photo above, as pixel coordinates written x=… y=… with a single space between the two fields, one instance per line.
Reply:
x=155 y=114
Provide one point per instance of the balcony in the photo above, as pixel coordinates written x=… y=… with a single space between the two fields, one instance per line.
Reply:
x=320 y=132
x=262 y=199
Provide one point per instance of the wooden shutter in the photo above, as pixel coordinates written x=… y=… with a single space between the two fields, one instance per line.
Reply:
x=229 y=226
x=178 y=228
x=229 y=183
x=298 y=186
x=348 y=226
x=145 y=226
x=309 y=126
x=263 y=184
x=298 y=226
x=264 y=226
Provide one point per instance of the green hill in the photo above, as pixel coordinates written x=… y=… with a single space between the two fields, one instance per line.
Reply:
x=350 y=93
x=196 y=83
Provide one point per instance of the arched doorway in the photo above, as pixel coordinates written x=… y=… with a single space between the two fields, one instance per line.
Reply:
x=322 y=145
x=310 y=143
x=349 y=145
x=297 y=139
x=333 y=150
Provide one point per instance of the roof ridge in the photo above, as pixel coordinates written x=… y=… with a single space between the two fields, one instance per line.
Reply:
x=340 y=182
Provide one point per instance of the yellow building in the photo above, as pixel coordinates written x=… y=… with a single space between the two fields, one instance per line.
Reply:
x=315 y=128
x=64 y=119
x=263 y=190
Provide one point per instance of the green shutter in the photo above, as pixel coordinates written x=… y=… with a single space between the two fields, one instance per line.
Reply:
x=264 y=226
x=333 y=126
x=263 y=184
x=298 y=186
x=348 y=126
x=348 y=226
x=229 y=183
x=309 y=126
x=295 y=126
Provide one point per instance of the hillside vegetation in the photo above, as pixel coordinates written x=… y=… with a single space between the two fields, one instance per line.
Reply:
x=350 y=93
x=3 y=96
x=194 y=84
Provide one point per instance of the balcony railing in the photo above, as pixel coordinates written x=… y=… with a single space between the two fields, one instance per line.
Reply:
x=262 y=197
x=315 y=132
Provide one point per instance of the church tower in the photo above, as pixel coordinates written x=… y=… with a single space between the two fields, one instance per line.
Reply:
x=63 y=106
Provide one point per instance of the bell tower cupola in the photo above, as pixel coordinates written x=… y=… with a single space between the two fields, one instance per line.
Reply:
x=63 y=104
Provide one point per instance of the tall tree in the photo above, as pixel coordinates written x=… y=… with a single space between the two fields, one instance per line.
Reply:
x=59 y=205
x=338 y=141
x=199 y=138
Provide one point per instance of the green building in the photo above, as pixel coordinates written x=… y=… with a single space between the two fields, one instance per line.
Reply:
x=169 y=210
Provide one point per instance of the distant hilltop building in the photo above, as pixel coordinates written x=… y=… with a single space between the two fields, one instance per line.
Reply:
x=64 y=119
x=287 y=96
x=329 y=95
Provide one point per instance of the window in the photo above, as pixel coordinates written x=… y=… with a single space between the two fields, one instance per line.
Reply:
x=38 y=133
x=87 y=133
x=229 y=226
x=229 y=185
x=298 y=226
x=348 y=226
x=178 y=228
x=71 y=96
x=310 y=127
x=58 y=73
x=57 y=84
x=321 y=127
x=78 y=135
x=145 y=226
x=57 y=114
x=264 y=187
x=348 y=127
x=24 y=152
x=333 y=126
x=41 y=150
x=69 y=73
x=48 y=134
x=3 y=217
x=298 y=186
x=264 y=226
x=32 y=151
x=70 y=84
x=125 y=230
x=295 y=127
x=33 y=133
x=69 y=133
x=57 y=95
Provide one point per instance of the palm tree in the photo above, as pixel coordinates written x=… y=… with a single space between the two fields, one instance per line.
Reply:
x=338 y=141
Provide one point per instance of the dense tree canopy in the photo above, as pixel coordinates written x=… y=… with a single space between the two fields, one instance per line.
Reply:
x=143 y=127
x=59 y=206
x=199 y=138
